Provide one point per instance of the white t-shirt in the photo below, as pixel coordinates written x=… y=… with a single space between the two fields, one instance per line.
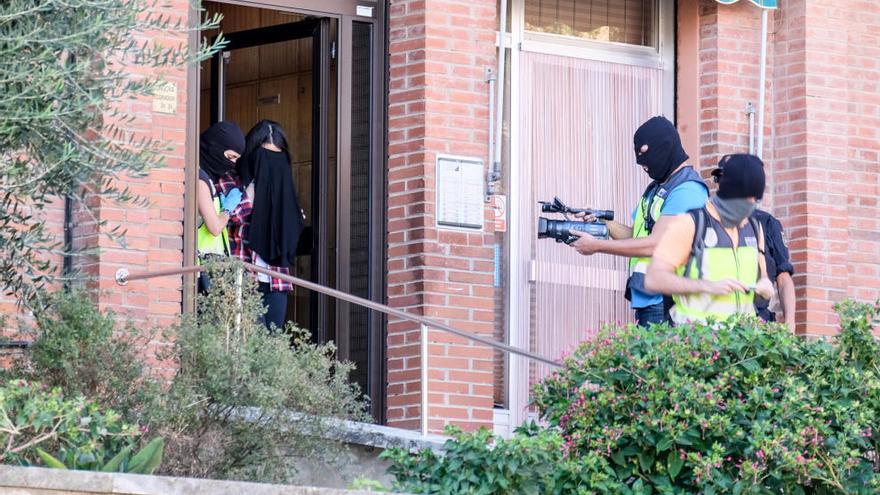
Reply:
x=262 y=277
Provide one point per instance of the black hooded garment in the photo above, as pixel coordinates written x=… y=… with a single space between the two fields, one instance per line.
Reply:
x=214 y=142
x=276 y=219
x=664 y=153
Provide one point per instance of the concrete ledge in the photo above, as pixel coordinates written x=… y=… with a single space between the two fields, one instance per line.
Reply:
x=43 y=481
x=355 y=433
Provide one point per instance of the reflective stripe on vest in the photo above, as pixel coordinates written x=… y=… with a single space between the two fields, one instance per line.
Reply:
x=656 y=194
x=720 y=261
x=208 y=243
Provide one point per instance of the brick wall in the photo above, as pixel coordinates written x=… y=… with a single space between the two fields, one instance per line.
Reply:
x=154 y=238
x=821 y=139
x=438 y=104
x=154 y=232
x=729 y=68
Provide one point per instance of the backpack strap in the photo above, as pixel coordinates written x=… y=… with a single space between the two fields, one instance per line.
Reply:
x=647 y=199
x=698 y=246
x=759 y=235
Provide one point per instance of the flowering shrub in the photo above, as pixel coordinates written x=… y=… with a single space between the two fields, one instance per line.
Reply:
x=734 y=407
x=533 y=462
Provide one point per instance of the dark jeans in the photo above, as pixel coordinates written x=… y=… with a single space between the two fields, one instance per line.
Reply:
x=655 y=313
x=276 y=307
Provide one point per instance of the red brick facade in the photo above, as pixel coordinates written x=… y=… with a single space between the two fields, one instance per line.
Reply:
x=154 y=239
x=438 y=104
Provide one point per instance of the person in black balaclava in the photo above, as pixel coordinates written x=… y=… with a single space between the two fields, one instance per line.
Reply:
x=276 y=220
x=220 y=146
x=711 y=260
x=658 y=148
x=675 y=188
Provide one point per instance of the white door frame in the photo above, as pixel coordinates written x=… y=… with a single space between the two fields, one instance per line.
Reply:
x=517 y=304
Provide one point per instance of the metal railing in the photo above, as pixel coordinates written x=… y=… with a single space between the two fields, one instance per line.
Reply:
x=123 y=277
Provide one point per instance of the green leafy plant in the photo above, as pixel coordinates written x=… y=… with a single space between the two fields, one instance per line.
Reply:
x=69 y=67
x=245 y=403
x=733 y=407
x=85 y=352
x=35 y=420
x=145 y=461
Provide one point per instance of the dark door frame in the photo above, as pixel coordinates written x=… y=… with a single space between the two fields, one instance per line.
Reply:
x=317 y=29
x=347 y=12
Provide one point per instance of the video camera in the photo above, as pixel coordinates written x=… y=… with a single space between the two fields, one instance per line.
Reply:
x=561 y=229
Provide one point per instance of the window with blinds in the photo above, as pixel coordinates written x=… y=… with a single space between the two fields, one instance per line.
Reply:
x=619 y=21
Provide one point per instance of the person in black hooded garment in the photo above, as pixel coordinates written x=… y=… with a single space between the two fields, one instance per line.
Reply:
x=675 y=189
x=276 y=220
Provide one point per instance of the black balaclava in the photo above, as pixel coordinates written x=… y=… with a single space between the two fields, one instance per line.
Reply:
x=664 y=153
x=214 y=142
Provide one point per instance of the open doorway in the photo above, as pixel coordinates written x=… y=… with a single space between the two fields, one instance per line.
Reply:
x=271 y=68
x=320 y=75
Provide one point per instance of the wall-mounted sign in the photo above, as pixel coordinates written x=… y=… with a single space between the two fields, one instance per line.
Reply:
x=499 y=207
x=165 y=97
x=364 y=11
x=460 y=192
x=269 y=100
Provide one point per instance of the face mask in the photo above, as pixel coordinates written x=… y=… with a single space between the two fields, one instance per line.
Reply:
x=733 y=211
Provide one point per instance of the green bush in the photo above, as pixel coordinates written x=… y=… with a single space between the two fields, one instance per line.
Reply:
x=79 y=349
x=244 y=404
x=734 y=407
x=532 y=462
x=77 y=432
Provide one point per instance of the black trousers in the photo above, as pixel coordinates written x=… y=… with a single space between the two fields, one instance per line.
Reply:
x=276 y=307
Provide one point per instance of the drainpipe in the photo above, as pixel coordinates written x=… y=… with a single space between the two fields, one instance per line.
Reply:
x=750 y=112
x=763 y=79
x=495 y=166
x=491 y=79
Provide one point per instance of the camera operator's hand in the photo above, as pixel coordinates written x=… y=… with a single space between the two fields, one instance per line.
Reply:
x=723 y=287
x=586 y=217
x=586 y=244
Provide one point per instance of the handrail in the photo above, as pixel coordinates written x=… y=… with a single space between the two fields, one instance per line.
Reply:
x=123 y=277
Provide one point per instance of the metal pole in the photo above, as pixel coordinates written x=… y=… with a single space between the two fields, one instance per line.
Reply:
x=424 y=365
x=763 y=79
x=495 y=166
x=490 y=176
x=750 y=111
x=239 y=279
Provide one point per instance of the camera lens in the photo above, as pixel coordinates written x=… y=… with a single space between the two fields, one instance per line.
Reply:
x=542 y=228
